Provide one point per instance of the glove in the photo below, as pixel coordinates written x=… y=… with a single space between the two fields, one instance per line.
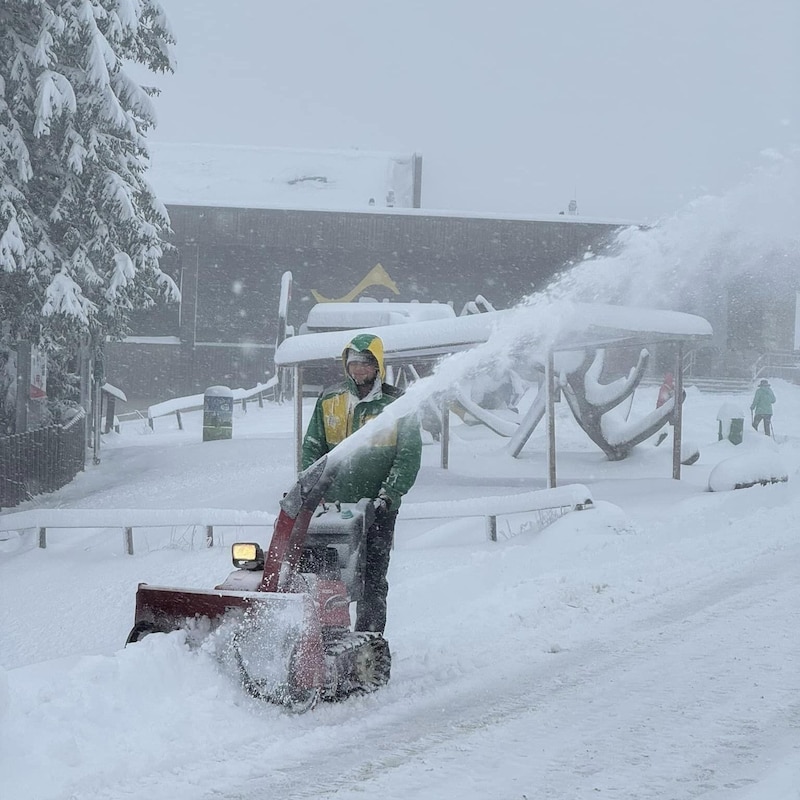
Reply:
x=382 y=502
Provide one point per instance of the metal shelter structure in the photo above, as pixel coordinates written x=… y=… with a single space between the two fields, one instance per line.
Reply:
x=581 y=326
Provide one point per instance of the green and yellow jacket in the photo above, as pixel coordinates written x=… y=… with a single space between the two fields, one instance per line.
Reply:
x=390 y=462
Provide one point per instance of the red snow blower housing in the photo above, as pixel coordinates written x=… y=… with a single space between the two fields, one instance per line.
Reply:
x=289 y=609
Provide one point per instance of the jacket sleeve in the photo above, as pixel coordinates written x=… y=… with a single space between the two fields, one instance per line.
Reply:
x=407 y=459
x=315 y=443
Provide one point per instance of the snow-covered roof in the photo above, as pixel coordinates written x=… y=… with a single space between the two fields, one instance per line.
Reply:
x=265 y=177
x=230 y=176
x=594 y=325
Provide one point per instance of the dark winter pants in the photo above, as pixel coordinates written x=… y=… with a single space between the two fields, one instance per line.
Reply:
x=371 y=610
x=767 y=419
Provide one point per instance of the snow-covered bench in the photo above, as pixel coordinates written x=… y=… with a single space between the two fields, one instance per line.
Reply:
x=744 y=471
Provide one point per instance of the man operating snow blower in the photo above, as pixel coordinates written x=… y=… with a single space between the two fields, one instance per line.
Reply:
x=385 y=469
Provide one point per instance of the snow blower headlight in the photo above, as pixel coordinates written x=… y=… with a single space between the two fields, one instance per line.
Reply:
x=247 y=555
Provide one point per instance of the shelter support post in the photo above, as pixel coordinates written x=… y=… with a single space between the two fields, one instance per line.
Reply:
x=551 y=421
x=445 y=442
x=298 y=417
x=677 y=431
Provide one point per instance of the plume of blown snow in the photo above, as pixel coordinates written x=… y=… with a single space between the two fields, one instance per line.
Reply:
x=688 y=258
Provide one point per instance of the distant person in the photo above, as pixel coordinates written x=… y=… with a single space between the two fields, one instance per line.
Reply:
x=384 y=470
x=666 y=391
x=762 y=406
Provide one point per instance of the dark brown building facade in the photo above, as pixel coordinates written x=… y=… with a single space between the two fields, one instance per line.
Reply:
x=229 y=263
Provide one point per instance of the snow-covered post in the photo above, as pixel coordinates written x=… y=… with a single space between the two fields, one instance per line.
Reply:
x=283 y=329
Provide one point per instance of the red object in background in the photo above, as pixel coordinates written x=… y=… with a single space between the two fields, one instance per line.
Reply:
x=666 y=391
x=38 y=390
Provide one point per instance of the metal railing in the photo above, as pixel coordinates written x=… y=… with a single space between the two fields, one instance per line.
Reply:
x=542 y=507
x=546 y=505
x=778 y=364
x=41 y=460
x=126 y=519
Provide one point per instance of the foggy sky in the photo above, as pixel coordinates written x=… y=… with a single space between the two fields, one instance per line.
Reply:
x=633 y=108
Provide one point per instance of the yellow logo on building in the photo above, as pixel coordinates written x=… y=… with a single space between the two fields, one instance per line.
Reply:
x=377 y=276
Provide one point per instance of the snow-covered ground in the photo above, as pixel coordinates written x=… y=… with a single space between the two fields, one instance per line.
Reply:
x=647 y=648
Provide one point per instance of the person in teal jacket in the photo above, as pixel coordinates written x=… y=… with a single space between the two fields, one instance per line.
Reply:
x=385 y=469
x=762 y=406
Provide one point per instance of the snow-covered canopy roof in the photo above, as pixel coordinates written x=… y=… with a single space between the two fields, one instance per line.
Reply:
x=596 y=325
x=331 y=316
x=273 y=177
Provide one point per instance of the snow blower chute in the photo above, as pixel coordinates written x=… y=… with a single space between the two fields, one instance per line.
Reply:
x=289 y=609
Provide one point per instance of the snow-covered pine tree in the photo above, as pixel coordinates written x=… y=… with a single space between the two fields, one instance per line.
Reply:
x=81 y=231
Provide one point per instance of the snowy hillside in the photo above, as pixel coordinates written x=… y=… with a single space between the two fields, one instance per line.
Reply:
x=644 y=649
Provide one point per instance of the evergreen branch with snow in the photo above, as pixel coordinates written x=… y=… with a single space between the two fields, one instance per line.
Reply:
x=81 y=231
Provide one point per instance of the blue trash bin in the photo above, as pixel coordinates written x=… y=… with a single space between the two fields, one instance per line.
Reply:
x=217 y=413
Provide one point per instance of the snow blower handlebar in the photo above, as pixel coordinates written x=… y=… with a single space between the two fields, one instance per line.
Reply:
x=291 y=527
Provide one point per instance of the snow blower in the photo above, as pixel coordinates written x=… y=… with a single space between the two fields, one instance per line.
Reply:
x=288 y=610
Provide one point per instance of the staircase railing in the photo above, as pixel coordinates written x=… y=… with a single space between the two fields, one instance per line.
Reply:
x=778 y=364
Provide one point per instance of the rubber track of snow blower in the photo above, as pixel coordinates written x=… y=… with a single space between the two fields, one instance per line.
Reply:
x=357 y=663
